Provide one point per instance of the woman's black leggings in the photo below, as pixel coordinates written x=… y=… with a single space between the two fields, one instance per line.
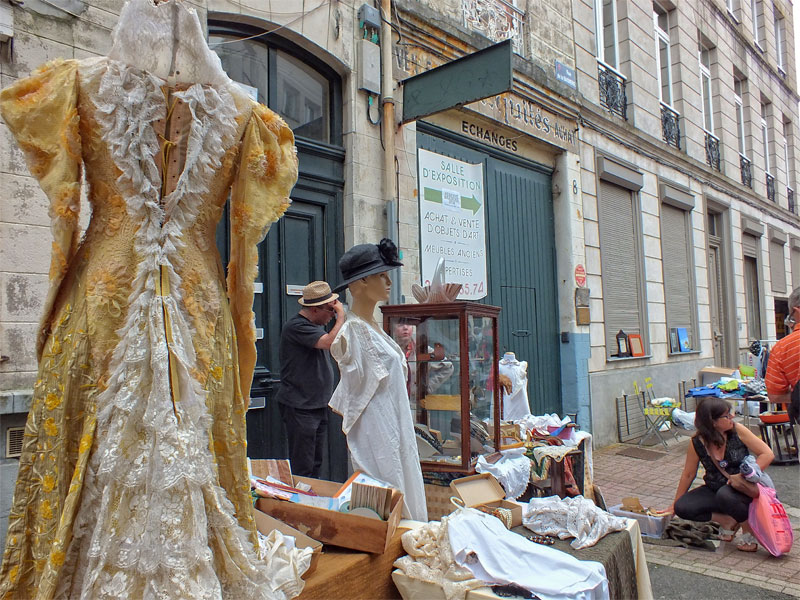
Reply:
x=699 y=503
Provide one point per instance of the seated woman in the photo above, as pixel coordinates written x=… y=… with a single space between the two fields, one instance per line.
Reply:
x=720 y=444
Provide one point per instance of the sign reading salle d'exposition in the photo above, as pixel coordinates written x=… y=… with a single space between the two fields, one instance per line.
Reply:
x=453 y=222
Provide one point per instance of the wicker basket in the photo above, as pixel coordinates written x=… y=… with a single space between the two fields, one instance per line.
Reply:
x=437 y=497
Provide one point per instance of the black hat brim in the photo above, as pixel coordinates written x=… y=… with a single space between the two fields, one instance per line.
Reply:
x=374 y=271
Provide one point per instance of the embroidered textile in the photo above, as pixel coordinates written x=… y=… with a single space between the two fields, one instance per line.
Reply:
x=133 y=477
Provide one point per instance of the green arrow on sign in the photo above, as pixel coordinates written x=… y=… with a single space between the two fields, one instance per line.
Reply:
x=471 y=203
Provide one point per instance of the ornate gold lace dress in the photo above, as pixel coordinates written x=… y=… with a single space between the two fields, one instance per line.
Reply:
x=133 y=478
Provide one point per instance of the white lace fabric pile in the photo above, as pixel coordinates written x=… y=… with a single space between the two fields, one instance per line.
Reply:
x=470 y=549
x=513 y=471
x=287 y=564
x=570 y=517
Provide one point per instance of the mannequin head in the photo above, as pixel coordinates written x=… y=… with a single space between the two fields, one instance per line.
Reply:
x=372 y=288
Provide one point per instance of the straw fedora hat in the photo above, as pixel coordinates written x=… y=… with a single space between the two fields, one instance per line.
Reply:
x=317 y=293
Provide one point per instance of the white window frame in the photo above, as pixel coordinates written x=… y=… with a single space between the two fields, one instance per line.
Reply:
x=733 y=7
x=738 y=91
x=786 y=161
x=663 y=36
x=755 y=5
x=707 y=103
x=765 y=139
x=780 y=42
x=600 y=35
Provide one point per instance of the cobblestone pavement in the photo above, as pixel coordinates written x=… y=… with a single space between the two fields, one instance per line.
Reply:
x=655 y=481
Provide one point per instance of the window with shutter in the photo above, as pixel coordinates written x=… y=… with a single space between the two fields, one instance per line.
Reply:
x=621 y=264
x=752 y=286
x=678 y=268
x=795 y=267
x=777 y=267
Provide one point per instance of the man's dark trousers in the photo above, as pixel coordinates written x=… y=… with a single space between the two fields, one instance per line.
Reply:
x=307 y=432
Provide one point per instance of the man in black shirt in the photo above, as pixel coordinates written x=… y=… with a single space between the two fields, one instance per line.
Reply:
x=307 y=376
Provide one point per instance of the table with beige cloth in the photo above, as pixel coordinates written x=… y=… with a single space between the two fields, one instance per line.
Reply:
x=607 y=552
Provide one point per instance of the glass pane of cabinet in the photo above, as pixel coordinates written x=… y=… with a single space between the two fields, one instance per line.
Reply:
x=452 y=376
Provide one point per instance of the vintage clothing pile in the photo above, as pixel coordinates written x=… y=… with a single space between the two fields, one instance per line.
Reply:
x=133 y=476
x=570 y=517
x=513 y=471
x=469 y=541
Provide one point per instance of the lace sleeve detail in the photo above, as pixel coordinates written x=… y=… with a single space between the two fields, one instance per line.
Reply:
x=41 y=112
x=260 y=196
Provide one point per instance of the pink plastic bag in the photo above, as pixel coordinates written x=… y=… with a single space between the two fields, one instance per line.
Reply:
x=769 y=522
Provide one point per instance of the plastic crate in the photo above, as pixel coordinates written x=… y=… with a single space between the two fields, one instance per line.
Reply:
x=650 y=526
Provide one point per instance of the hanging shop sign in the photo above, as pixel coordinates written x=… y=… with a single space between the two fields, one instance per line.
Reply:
x=527 y=116
x=452 y=220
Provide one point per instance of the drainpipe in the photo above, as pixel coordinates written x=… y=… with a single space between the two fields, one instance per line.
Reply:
x=389 y=176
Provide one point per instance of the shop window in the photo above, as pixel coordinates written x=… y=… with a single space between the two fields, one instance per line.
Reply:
x=621 y=263
x=678 y=270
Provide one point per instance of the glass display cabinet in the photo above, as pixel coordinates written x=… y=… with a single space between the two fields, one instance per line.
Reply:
x=452 y=354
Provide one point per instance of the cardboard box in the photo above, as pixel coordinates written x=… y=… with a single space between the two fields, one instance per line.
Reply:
x=711 y=374
x=266 y=524
x=651 y=526
x=484 y=490
x=331 y=527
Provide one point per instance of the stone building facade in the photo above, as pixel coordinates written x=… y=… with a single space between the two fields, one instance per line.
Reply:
x=637 y=177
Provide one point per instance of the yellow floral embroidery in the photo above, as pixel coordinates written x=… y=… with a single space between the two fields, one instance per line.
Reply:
x=217 y=372
x=262 y=164
x=106 y=287
x=57 y=558
x=52 y=401
x=58 y=262
x=70 y=136
x=45 y=510
x=48 y=483
x=86 y=443
x=50 y=427
x=14 y=572
x=66 y=203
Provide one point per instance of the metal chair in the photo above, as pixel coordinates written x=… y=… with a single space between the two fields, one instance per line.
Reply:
x=655 y=416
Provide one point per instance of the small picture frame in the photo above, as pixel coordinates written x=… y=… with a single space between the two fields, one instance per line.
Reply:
x=683 y=340
x=674 y=346
x=623 y=349
x=636 y=344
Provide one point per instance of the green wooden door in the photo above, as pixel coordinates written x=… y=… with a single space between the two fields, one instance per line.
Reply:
x=520 y=240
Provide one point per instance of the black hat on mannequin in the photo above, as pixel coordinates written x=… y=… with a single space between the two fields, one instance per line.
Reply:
x=364 y=260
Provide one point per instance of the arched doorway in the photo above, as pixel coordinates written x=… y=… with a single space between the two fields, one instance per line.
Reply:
x=306 y=243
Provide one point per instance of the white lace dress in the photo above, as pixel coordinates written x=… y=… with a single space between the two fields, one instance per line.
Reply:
x=373 y=400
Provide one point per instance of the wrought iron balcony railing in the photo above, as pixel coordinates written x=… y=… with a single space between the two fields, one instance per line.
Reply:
x=612 y=90
x=790 y=197
x=770 y=188
x=670 y=127
x=747 y=170
x=712 y=151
